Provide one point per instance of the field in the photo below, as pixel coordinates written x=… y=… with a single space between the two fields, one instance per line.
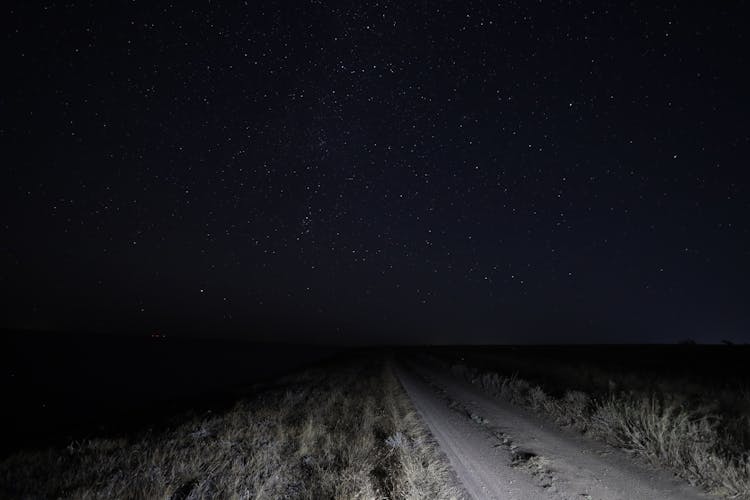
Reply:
x=179 y=420
x=337 y=432
x=65 y=387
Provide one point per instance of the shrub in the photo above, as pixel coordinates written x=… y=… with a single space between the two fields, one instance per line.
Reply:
x=671 y=435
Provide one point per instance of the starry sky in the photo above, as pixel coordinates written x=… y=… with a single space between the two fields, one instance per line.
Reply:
x=423 y=171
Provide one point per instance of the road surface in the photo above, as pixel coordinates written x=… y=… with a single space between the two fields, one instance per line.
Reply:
x=500 y=451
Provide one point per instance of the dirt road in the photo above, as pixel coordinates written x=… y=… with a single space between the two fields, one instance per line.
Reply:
x=499 y=451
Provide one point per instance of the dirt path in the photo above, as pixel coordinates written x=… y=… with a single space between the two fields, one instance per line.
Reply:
x=499 y=451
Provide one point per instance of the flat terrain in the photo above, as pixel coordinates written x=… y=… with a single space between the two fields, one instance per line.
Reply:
x=184 y=419
x=342 y=431
x=501 y=451
x=58 y=388
x=595 y=367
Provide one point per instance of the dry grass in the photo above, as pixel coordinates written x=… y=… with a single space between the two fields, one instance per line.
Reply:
x=424 y=470
x=669 y=430
x=347 y=433
x=669 y=434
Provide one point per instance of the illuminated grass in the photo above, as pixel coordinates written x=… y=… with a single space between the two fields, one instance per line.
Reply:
x=349 y=433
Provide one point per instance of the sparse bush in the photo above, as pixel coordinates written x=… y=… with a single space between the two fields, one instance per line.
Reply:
x=537 y=399
x=575 y=410
x=671 y=435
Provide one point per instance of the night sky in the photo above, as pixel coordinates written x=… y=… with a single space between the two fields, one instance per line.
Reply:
x=398 y=172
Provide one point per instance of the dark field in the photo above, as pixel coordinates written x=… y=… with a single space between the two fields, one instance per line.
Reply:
x=685 y=408
x=58 y=388
x=585 y=364
x=696 y=370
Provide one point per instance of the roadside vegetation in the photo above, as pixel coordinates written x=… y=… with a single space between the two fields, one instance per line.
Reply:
x=686 y=431
x=343 y=433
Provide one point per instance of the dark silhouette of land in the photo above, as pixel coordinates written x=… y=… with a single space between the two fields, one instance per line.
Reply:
x=62 y=386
